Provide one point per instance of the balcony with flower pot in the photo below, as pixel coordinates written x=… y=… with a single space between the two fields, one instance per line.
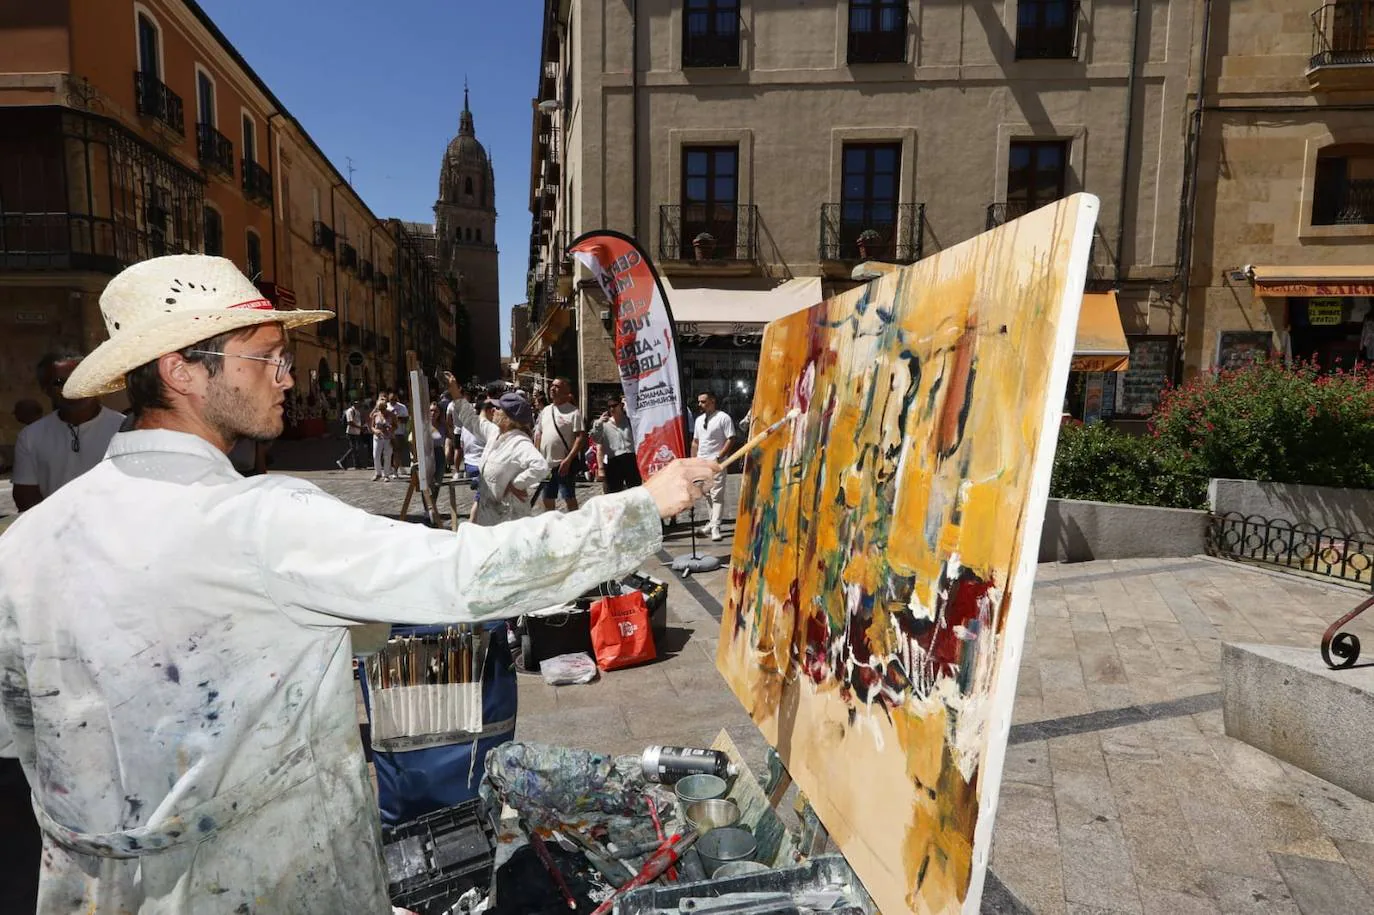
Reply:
x=850 y=235
x=709 y=240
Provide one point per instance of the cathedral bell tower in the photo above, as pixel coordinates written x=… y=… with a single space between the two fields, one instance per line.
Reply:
x=465 y=226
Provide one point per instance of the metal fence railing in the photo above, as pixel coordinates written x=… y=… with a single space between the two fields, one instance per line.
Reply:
x=1301 y=547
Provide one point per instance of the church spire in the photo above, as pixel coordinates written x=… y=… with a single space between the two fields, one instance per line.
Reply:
x=465 y=121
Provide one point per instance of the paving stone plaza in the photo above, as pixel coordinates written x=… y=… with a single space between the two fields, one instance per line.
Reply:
x=1121 y=792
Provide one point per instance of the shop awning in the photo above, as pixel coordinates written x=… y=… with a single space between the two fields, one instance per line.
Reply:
x=549 y=331
x=711 y=311
x=1100 y=344
x=1313 y=281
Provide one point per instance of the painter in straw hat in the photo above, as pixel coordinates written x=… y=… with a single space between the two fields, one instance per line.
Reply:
x=192 y=328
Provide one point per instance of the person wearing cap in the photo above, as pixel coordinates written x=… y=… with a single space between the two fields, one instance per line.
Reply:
x=69 y=441
x=511 y=467
x=183 y=708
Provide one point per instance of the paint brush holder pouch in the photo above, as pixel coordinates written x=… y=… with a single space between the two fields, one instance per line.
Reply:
x=427 y=690
x=430 y=712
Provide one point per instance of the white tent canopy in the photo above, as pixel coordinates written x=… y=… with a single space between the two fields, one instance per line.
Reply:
x=715 y=311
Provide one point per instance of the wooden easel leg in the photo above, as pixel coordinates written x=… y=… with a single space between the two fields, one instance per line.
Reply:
x=453 y=507
x=411 y=487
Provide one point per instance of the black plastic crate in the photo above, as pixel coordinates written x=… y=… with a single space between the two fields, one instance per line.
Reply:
x=432 y=861
x=822 y=872
x=547 y=636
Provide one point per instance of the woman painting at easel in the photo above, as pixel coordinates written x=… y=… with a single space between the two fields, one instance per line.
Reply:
x=511 y=465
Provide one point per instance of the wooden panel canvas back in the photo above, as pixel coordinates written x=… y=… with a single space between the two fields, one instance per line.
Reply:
x=886 y=545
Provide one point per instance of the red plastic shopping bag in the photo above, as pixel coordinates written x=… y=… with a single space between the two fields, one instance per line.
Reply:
x=621 y=636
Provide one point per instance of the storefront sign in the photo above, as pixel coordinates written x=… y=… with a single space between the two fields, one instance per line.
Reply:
x=645 y=345
x=1152 y=363
x=1324 y=312
x=1238 y=348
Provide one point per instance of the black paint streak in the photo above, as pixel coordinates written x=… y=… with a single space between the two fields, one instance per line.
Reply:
x=171 y=673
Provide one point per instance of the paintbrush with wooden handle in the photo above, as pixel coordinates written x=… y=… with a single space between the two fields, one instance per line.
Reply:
x=754 y=442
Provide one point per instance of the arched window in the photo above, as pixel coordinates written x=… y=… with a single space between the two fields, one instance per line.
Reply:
x=479 y=235
x=467 y=186
x=214 y=232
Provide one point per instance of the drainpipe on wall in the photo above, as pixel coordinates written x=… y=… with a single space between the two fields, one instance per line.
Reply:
x=1185 y=250
x=275 y=159
x=339 y=316
x=1130 y=131
x=634 y=119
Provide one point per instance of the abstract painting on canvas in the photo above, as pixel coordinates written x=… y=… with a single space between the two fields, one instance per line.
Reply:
x=886 y=544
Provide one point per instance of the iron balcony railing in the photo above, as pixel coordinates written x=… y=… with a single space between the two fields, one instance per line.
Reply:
x=153 y=99
x=1344 y=203
x=365 y=271
x=322 y=236
x=352 y=333
x=348 y=256
x=877 y=33
x=71 y=241
x=257 y=183
x=892 y=232
x=1343 y=34
x=1331 y=553
x=732 y=229
x=999 y=213
x=216 y=151
x=1046 y=29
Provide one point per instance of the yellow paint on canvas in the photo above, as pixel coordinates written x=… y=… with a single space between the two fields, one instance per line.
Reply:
x=878 y=542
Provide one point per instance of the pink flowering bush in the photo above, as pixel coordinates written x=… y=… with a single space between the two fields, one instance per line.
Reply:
x=1273 y=422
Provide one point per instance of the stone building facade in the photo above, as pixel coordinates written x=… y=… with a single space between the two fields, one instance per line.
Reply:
x=1283 y=253
x=134 y=129
x=785 y=134
x=465 y=228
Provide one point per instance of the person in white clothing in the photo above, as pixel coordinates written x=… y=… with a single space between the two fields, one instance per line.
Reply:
x=355 y=419
x=66 y=443
x=561 y=437
x=382 y=423
x=511 y=466
x=400 y=443
x=713 y=436
x=23 y=841
x=184 y=707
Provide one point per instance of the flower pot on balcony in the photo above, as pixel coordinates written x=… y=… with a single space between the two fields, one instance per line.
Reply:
x=704 y=246
x=870 y=244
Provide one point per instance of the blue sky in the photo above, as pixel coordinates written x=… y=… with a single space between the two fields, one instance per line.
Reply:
x=382 y=83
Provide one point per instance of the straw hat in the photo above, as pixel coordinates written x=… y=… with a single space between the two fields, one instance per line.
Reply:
x=159 y=306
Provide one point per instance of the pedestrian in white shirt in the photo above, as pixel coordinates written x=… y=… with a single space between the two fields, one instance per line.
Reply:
x=511 y=466
x=56 y=449
x=713 y=435
x=614 y=437
x=561 y=437
x=400 y=444
x=184 y=708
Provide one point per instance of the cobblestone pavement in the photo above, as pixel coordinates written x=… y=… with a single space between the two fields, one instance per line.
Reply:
x=1121 y=794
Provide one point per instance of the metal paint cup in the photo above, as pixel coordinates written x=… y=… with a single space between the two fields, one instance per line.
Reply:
x=713 y=814
x=739 y=869
x=725 y=845
x=699 y=788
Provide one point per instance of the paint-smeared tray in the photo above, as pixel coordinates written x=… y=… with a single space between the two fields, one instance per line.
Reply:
x=433 y=860
x=820 y=873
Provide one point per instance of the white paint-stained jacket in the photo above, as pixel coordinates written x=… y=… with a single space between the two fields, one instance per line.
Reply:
x=175 y=666
x=510 y=459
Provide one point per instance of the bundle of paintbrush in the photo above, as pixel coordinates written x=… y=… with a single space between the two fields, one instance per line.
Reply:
x=455 y=655
x=425 y=685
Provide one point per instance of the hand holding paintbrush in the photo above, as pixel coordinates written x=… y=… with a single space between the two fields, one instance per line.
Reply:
x=758 y=439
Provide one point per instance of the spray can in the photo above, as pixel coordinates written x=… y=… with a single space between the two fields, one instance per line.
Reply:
x=668 y=764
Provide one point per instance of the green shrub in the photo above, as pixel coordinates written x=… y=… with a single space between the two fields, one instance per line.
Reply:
x=1273 y=422
x=1103 y=464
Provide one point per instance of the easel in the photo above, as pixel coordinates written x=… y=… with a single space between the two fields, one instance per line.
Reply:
x=419 y=421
